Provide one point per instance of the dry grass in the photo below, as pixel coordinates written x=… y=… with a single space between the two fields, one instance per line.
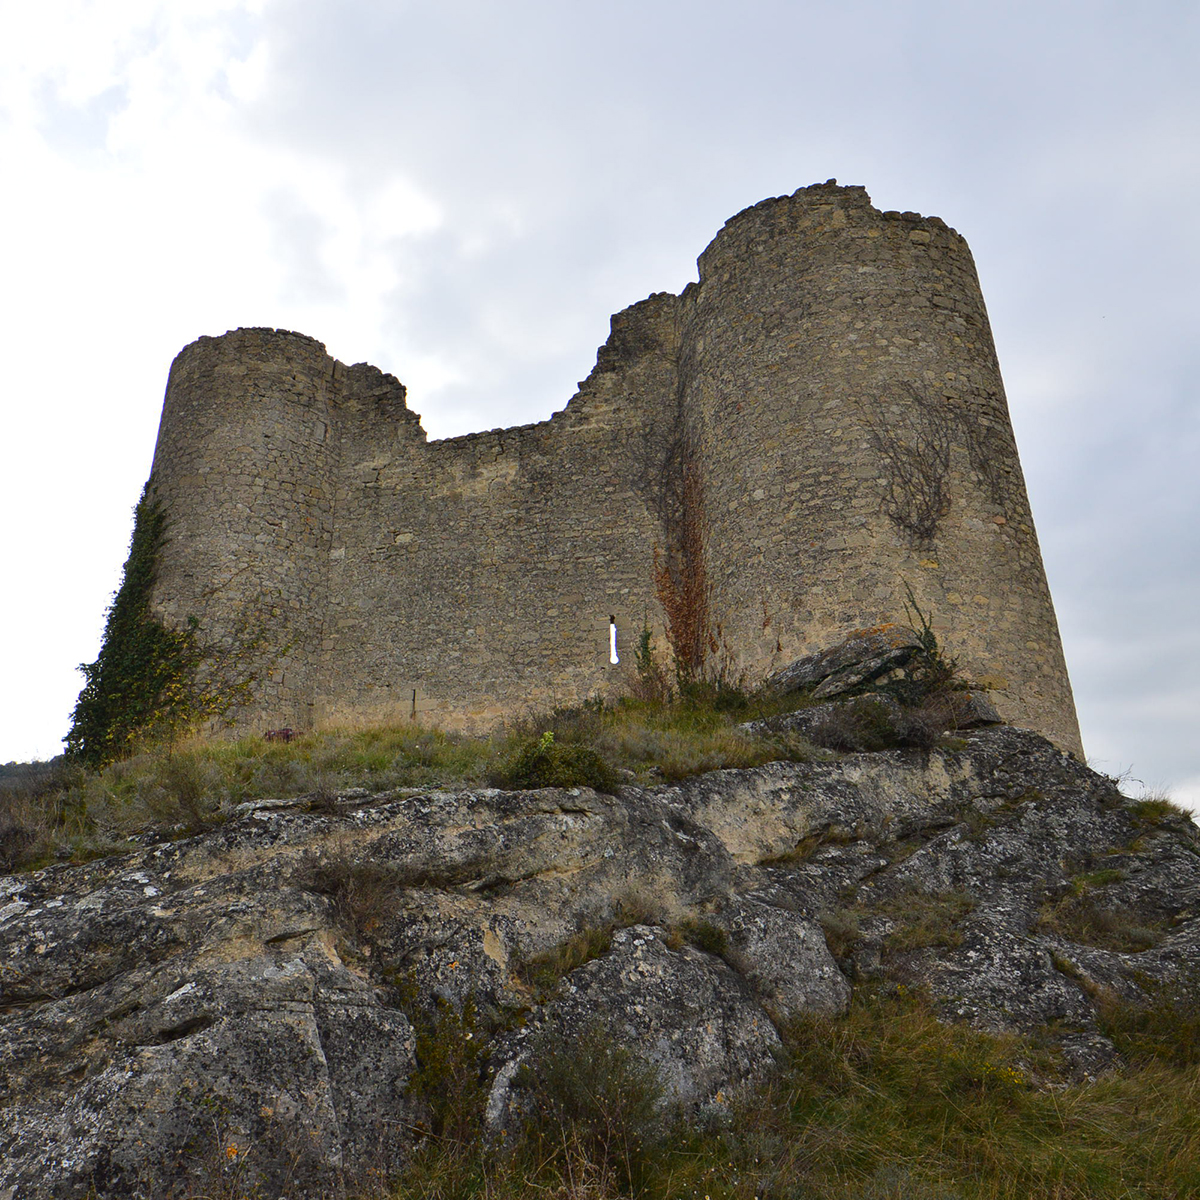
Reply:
x=364 y=893
x=65 y=811
x=884 y=1102
x=1082 y=917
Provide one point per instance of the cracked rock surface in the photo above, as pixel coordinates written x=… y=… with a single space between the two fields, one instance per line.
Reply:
x=251 y=994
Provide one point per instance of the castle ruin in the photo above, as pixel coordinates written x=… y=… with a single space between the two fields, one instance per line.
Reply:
x=812 y=429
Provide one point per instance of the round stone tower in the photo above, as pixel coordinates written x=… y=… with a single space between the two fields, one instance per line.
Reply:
x=244 y=468
x=848 y=428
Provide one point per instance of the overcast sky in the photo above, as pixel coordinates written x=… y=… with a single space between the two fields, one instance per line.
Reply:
x=462 y=193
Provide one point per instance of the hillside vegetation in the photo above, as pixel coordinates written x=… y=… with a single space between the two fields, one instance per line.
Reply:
x=887 y=1100
x=65 y=810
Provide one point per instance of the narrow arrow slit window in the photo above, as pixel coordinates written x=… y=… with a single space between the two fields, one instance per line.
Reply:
x=612 y=641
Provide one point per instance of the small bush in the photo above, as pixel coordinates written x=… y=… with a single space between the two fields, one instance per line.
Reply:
x=364 y=893
x=593 y=1098
x=930 y=674
x=23 y=831
x=184 y=791
x=31 y=810
x=870 y=723
x=865 y=724
x=650 y=680
x=450 y=1079
x=922 y=726
x=544 y=762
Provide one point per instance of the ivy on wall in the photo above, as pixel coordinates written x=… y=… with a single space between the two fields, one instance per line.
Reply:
x=915 y=448
x=144 y=682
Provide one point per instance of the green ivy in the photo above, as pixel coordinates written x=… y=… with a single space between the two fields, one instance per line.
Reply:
x=143 y=682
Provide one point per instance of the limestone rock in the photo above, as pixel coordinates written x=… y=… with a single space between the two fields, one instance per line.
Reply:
x=786 y=960
x=244 y=1000
x=810 y=721
x=687 y=1013
x=971 y=710
x=859 y=658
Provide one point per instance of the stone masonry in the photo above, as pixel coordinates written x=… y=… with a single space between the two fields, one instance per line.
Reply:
x=824 y=406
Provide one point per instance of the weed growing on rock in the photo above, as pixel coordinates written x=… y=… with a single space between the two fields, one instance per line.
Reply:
x=702 y=933
x=1079 y=917
x=542 y=972
x=1151 y=811
x=1165 y=1030
x=364 y=892
x=843 y=932
x=921 y=921
x=925 y=920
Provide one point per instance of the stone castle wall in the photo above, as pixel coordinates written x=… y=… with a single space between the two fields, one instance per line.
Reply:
x=829 y=389
x=823 y=338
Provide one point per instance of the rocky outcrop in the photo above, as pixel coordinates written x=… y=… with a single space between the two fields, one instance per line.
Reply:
x=249 y=998
x=857 y=661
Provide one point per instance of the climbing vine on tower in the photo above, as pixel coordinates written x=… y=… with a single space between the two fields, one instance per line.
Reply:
x=145 y=682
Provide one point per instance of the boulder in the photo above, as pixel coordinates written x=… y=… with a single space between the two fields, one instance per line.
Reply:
x=688 y=1014
x=860 y=658
x=971 y=710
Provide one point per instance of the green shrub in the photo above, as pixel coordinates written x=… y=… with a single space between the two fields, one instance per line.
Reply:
x=544 y=762
x=449 y=1081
